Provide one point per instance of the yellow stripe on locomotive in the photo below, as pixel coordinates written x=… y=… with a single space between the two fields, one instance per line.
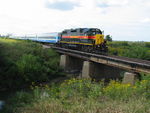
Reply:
x=97 y=39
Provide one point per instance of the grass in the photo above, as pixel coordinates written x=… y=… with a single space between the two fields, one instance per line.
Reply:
x=139 y=50
x=83 y=96
x=82 y=105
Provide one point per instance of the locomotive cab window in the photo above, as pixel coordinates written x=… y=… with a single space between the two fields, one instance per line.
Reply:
x=98 y=31
x=91 y=32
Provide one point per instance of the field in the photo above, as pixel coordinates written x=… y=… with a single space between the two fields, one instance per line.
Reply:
x=83 y=96
x=28 y=68
x=140 y=50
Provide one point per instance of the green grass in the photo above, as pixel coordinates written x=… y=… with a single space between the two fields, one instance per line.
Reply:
x=139 y=50
x=23 y=62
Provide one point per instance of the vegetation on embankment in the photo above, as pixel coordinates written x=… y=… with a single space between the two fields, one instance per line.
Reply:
x=83 y=96
x=27 y=63
x=139 y=50
x=23 y=62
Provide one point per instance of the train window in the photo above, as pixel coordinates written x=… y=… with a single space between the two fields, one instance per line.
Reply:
x=64 y=32
x=31 y=37
x=81 y=30
x=98 y=31
x=90 y=33
x=52 y=37
x=94 y=33
x=47 y=37
x=73 y=30
x=78 y=33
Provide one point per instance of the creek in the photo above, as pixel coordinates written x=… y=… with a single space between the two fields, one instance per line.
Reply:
x=4 y=95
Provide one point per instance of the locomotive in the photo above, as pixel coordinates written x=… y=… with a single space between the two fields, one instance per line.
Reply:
x=84 y=39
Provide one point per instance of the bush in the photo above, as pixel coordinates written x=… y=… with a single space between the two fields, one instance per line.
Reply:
x=31 y=69
x=147 y=44
x=82 y=87
x=130 y=49
x=24 y=62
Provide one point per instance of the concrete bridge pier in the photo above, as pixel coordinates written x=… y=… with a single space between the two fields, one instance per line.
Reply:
x=130 y=78
x=70 y=64
x=87 y=69
x=99 y=71
x=64 y=61
x=93 y=70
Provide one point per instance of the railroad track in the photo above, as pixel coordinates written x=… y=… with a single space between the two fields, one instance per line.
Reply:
x=133 y=64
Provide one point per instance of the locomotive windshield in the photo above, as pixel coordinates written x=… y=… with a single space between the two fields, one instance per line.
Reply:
x=92 y=32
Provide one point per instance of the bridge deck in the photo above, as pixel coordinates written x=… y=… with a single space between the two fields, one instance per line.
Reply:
x=135 y=65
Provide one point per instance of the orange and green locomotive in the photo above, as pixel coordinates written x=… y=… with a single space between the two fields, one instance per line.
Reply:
x=85 y=39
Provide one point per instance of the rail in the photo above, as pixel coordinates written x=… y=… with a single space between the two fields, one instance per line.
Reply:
x=135 y=65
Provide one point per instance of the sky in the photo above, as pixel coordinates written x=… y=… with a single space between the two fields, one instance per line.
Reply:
x=123 y=19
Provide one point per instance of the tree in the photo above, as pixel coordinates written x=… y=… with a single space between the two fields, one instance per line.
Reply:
x=108 y=38
x=8 y=35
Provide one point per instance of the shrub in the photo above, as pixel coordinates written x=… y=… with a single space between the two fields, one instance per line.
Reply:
x=82 y=87
x=147 y=44
x=31 y=69
x=24 y=62
x=130 y=49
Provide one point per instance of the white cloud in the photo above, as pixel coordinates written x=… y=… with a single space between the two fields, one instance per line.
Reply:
x=114 y=2
x=145 y=20
x=52 y=1
x=31 y=16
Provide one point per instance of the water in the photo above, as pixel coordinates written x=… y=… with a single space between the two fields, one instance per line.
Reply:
x=1 y=104
x=3 y=96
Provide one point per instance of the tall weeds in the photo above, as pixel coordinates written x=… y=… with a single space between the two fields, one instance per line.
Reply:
x=84 y=96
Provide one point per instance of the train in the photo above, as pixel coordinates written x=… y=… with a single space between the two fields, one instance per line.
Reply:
x=83 y=39
x=43 y=37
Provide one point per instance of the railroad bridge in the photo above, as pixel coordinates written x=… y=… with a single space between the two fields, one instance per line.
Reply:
x=96 y=66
